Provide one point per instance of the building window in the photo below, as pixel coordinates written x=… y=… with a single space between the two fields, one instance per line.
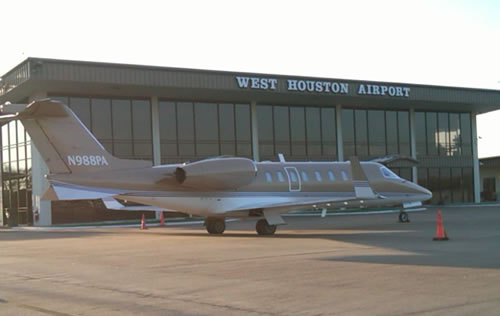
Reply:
x=448 y=185
x=301 y=133
x=375 y=133
x=123 y=126
x=192 y=131
x=446 y=134
x=16 y=173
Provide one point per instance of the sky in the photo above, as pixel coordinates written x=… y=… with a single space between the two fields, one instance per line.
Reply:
x=438 y=42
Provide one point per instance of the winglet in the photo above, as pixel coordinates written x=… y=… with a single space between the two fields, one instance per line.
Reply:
x=362 y=187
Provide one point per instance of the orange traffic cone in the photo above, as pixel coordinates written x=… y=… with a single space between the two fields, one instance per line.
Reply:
x=162 y=219
x=440 y=232
x=143 y=222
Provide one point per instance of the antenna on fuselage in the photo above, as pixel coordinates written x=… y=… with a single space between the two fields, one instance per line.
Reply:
x=281 y=157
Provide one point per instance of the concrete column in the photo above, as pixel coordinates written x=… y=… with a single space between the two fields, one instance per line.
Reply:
x=255 y=131
x=413 y=145
x=475 y=160
x=340 y=138
x=39 y=183
x=1 y=181
x=155 y=125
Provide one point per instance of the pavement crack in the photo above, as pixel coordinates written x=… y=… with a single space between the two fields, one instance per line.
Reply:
x=450 y=307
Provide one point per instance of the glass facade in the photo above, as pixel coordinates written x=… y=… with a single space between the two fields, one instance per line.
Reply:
x=370 y=134
x=16 y=174
x=444 y=148
x=196 y=130
x=300 y=133
x=375 y=133
x=446 y=134
x=123 y=126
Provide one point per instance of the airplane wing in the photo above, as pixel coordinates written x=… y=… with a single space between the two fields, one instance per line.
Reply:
x=113 y=204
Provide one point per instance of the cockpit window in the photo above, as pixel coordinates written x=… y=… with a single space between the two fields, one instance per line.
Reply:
x=387 y=173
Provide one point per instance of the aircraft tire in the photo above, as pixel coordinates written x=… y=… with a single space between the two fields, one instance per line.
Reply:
x=403 y=217
x=215 y=226
x=263 y=228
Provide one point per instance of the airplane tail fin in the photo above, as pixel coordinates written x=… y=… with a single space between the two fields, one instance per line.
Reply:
x=64 y=142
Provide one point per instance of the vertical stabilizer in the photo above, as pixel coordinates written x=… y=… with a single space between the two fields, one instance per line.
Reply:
x=64 y=142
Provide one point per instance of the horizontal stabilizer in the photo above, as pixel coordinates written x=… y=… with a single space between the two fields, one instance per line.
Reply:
x=113 y=204
x=66 y=191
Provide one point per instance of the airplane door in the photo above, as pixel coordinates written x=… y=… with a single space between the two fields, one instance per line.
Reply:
x=293 y=179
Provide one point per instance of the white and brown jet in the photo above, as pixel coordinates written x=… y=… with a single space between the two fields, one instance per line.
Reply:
x=215 y=188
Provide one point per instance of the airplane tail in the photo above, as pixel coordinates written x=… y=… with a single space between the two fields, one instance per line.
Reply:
x=64 y=142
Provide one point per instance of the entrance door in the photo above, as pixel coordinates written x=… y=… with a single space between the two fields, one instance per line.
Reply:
x=489 y=189
x=293 y=179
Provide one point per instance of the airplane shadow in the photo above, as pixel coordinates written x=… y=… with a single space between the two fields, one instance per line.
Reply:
x=474 y=240
x=8 y=235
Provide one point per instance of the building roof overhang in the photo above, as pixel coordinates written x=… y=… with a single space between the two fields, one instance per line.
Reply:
x=35 y=75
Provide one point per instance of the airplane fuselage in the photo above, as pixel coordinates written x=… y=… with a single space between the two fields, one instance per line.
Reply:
x=289 y=185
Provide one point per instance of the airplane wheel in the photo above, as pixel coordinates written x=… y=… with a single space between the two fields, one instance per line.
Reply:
x=215 y=226
x=403 y=217
x=263 y=228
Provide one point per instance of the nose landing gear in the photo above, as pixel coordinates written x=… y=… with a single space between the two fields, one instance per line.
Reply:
x=403 y=217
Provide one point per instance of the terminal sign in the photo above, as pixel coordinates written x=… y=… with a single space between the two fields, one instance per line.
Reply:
x=316 y=86
x=392 y=91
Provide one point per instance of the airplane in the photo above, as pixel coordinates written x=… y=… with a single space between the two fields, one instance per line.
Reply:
x=214 y=188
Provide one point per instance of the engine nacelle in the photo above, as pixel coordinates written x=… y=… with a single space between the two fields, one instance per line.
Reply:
x=217 y=173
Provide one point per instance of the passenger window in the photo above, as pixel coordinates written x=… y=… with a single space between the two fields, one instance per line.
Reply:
x=293 y=176
x=344 y=175
x=317 y=175
x=304 y=176
x=269 y=177
x=280 y=176
x=331 y=176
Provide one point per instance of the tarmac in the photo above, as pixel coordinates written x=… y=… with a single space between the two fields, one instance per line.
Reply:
x=338 y=265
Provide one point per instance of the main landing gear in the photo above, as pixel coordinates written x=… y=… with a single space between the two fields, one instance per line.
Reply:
x=215 y=225
x=263 y=228
x=403 y=217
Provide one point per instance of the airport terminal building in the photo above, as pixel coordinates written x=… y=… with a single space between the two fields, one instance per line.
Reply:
x=171 y=115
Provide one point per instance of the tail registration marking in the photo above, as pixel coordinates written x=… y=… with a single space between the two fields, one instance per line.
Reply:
x=87 y=160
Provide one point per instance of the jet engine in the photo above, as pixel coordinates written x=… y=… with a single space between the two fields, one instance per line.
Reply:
x=217 y=173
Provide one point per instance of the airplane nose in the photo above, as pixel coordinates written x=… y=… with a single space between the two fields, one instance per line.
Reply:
x=422 y=192
x=425 y=192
